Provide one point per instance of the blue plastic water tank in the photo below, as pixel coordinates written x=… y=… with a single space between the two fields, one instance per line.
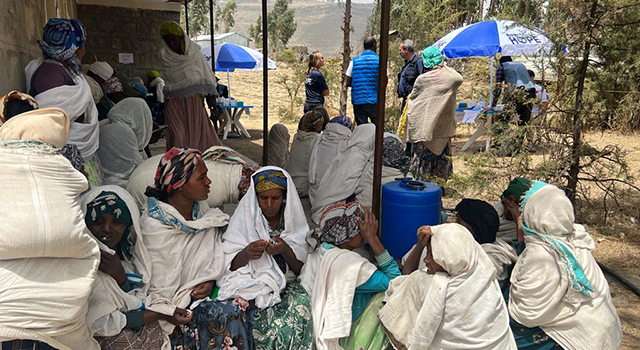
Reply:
x=407 y=205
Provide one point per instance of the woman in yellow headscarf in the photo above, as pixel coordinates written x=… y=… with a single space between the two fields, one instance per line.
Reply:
x=188 y=78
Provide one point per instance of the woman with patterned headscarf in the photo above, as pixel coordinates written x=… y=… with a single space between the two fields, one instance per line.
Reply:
x=188 y=77
x=310 y=125
x=56 y=80
x=557 y=287
x=265 y=248
x=431 y=116
x=346 y=289
x=325 y=147
x=184 y=239
x=116 y=316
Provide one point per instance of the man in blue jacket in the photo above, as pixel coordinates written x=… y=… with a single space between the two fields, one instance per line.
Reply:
x=362 y=76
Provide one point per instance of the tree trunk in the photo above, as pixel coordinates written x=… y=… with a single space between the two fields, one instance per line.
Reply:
x=576 y=147
x=526 y=9
x=346 y=55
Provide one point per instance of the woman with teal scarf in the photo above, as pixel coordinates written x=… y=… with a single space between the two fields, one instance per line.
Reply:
x=559 y=297
x=117 y=315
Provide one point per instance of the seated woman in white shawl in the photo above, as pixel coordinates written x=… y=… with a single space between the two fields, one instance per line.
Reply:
x=56 y=80
x=116 y=306
x=184 y=241
x=325 y=147
x=456 y=304
x=278 y=146
x=395 y=164
x=556 y=284
x=508 y=209
x=134 y=113
x=481 y=219
x=341 y=180
x=118 y=153
x=48 y=259
x=310 y=125
x=265 y=248
x=346 y=288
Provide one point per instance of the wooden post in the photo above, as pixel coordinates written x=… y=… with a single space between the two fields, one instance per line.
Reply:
x=380 y=106
x=186 y=15
x=265 y=85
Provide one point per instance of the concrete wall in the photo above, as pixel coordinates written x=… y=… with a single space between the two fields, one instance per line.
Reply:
x=114 y=30
x=21 y=23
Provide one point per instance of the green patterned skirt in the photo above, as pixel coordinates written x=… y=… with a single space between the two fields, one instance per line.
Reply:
x=287 y=325
x=367 y=333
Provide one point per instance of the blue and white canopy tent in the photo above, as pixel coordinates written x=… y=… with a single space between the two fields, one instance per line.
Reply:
x=486 y=39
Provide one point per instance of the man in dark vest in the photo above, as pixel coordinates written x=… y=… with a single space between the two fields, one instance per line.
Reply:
x=362 y=76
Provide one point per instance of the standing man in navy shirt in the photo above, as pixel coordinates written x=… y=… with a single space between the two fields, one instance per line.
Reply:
x=315 y=86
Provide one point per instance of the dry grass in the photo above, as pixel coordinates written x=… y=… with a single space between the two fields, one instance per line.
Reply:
x=619 y=250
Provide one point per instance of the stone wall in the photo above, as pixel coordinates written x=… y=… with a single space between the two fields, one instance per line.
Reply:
x=21 y=23
x=114 y=30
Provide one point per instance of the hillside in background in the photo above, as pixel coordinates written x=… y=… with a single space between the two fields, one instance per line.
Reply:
x=318 y=23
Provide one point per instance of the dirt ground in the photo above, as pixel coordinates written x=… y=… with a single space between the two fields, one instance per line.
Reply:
x=620 y=252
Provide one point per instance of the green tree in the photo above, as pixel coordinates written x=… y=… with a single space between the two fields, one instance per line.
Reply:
x=226 y=16
x=255 y=32
x=281 y=24
x=198 y=17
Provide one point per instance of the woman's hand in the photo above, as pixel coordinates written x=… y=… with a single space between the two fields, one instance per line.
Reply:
x=202 y=290
x=369 y=231
x=277 y=246
x=180 y=317
x=513 y=208
x=424 y=233
x=112 y=266
x=256 y=248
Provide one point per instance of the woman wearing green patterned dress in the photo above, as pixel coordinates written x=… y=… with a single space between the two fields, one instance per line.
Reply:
x=265 y=248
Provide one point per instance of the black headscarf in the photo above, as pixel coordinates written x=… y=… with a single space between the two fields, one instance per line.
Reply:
x=482 y=218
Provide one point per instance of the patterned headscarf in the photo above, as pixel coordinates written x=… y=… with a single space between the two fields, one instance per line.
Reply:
x=268 y=180
x=339 y=223
x=393 y=154
x=72 y=153
x=110 y=202
x=112 y=85
x=518 y=187
x=175 y=168
x=314 y=121
x=61 y=38
x=16 y=95
x=431 y=57
x=482 y=218
x=343 y=120
x=174 y=28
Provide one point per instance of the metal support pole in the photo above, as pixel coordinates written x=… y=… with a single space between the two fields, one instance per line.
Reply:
x=186 y=15
x=213 y=51
x=380 y=106
x=265 y=85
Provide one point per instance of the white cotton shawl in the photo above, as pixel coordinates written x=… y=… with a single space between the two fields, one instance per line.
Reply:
x=298 y=165
x=108 y=302
x=118 y=153
x=462 y=308
x=278 y=146
x=343 y=176
x=75 y=100
x=541 y=293
x=224 y=176
x=324 y=148
x=331 y=277
x=180 y=260
x=48 y=260
x=96 y=89
x=508 y=231
x=364 y=191
x=501 y=254
x=158 y=83
x=261 y=279
x=431 y=108
x=187 y=74
x=134 y=113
